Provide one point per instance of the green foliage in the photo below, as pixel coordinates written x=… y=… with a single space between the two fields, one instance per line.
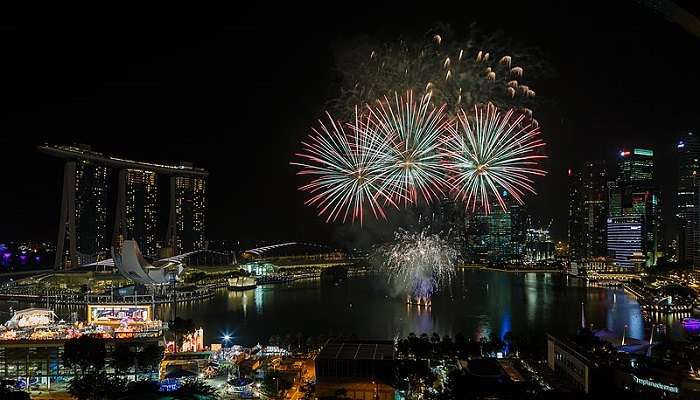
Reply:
x=142 y=390
x=195 y=389
x=9 y=393
x=122 y=358
x=85 y=352
x=149 y=358
x=275 y=383
x=96 y=385
x=180 y=327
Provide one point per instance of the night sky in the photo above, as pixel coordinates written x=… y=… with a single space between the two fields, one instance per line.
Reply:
x=235 y=90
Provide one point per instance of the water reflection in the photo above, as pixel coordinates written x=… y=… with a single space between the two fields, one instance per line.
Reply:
x=479 y=304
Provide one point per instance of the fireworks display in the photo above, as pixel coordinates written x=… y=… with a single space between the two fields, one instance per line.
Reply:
x=411 y=133
x=491 y=154
x=404 y=151
x=419 y=264
x=456 y=72
x=346 y=165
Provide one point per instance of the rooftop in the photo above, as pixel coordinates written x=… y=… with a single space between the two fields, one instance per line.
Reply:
x=358 y=350
x=85 y=152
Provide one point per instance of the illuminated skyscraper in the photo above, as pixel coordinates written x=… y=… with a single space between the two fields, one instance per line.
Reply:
x=625 y=239
x=588 y=211
x=82 y=231
x=634 y=194
x=539 y=246
x=186 y=229
x=576 y=234
x=636 y=167
x=687 y=207
x=519 y=226
x=137 y=209
x=499 y=236
x=595 y=208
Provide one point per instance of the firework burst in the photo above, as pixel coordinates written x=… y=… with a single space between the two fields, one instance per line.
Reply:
x=457 y=72
x=419 y=264
x=345 y=165
x=490 y=154
x=410 y=159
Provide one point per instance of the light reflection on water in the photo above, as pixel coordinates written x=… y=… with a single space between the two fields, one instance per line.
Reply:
x=478 y=304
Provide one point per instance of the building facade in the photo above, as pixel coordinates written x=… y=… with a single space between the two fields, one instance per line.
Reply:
x=625 y=240
x=588 y=211
x=687 y=206
x=489 y=236
x=186 y=230
x=83 y=231
x=137 y=210
x=634 y=194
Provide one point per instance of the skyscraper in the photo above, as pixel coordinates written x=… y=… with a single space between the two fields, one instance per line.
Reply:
x=595 y=208
x=625 y=239
x=82 y=231
x=634 y=194
x=588 y=211
x=488 y=236
x=538 y=245
x=187 y=220
x=519 y=226
x=636 y=167
x=577 y=248
x=137 y=209
x=687 y=207
x=83 y=222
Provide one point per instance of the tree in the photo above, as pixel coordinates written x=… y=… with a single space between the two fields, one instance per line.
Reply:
x=275 y=383
x=447 y=347
x=122 y=358
x=96 y=385
x=228 y=368
x=9 y=393
x=435 y=343
x=85 y=352
x=142 y=390
x=195 y=389
x=287 y=341
x=149 y=358
x=299 y=339
x=181 y=327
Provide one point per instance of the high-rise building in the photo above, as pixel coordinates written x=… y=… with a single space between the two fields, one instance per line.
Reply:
x=696 y=257
x=83 y=232
x=588 y=211
x=538 y=246
x=576 y=234
x=489 y=236
x=634 y=194
x=614 y=199
x=83 y=221
x=137 y=209
x=687 y=207
x=519 y=225
x=187 y=220
x=625 y=240
x=636 y=167
x=595 y=209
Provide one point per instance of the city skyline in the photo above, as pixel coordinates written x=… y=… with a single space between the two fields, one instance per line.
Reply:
x=240 y=159
x=347 y=201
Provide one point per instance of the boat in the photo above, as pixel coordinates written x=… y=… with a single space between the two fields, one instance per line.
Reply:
x=242 y=283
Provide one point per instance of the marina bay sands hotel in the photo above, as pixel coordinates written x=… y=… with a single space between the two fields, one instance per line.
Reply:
x=83 y=224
